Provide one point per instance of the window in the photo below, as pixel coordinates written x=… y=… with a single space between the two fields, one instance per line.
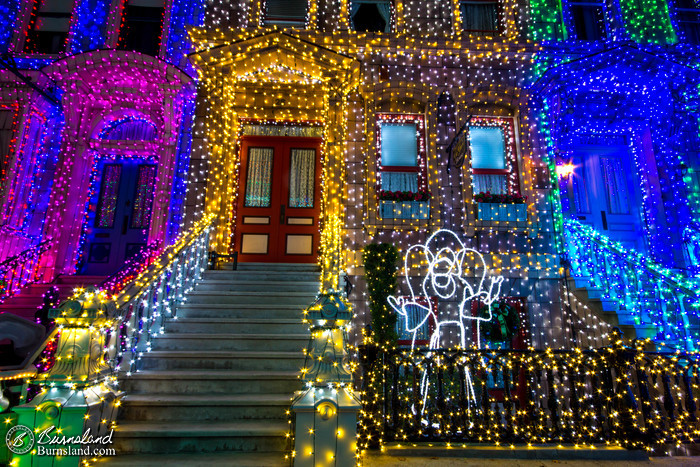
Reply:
x=286 y=13
x=371 y=15
x=48 y=26
x=588 y=20
x=142 y=26
x=401 y=153
x=688 y=20
x=493 y=159
x=480 y=17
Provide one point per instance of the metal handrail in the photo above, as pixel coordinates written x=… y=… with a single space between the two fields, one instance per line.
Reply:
x=650 y=293
x=20 y=270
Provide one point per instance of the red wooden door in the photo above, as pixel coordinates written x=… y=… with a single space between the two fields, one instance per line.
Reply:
x=277 y=213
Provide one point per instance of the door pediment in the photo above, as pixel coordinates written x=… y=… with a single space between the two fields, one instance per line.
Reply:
x=280 y=57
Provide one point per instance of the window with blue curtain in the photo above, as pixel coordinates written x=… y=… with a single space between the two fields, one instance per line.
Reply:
x=399 y=149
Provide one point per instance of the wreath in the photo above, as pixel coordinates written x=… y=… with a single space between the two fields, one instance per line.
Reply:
x=503 y=325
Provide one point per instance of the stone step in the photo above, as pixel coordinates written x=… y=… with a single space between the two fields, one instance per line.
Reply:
x=213 y=285
x=206 y=459
x=222 y=360
x=238 y=310
x=277 y=267
x=272 y=298
x=212 y=381
x=237 y=325
x=242 y=276
x=169 y=437
x=203 y=341
x=205 y=407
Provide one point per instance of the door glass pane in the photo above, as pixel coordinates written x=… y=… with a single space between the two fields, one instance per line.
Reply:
x=144 y=197
x=259 y=181
x=109 y=191
x=578 y=179
x=301 y=178
x=615 y=185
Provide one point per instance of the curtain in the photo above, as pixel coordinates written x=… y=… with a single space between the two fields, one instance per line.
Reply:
x=302 y=178
x=109 y=192
x=385 y=10
x=259 y=181
x=141 y=215
x=615 y=185
x=494 y=184
x=354 y=7
x=480 y=17
x=400 y=181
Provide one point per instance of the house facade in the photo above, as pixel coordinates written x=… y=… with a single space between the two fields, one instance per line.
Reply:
x=310 y=129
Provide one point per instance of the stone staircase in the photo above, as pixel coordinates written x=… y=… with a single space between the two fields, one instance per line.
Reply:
x=26 y=302
x=217 y=384
x=609 y=310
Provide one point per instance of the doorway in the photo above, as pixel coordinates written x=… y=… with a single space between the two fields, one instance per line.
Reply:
x=119 y=216
x=602 y=194
x=278 y=207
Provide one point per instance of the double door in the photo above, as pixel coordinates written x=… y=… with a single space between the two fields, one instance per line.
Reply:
x=278 y=206
x=119 y=216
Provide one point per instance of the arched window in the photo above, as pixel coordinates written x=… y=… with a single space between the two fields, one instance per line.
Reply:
x=48 y=26
x=131 y=129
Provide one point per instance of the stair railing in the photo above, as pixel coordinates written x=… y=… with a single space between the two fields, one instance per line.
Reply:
x=21 y=269
x=143 y=303
x=649 y=292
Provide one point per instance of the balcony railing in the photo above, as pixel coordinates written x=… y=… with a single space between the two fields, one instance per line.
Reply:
x=645 y=292
x=616 y=395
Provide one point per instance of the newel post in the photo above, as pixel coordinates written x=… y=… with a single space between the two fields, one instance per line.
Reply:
x=77 y=400
x=326 y=411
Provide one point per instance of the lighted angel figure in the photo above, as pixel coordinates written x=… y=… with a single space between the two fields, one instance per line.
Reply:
x=446 y=278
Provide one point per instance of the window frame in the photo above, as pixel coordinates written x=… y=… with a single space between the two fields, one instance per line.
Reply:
x=571 y=23
x=677 y=22
x=421 y=149
x=392 y=16
x=500 y=26
x=512 y=173
x=264 y=18
x=30 y=18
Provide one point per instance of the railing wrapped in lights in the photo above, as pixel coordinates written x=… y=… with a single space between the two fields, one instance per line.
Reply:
x=646 y=291
x=615 y=395
x=145 y=302
x=21 y=269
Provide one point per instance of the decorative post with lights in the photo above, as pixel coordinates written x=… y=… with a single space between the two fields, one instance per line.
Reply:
x=77 y=399
x=326 y=411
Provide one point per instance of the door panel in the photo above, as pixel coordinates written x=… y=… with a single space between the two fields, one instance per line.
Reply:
x=278 y=214
x=117 y=223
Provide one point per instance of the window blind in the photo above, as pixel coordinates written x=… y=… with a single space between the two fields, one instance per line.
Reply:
x=399 y=144
x=291 y=9
x=487 y=148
